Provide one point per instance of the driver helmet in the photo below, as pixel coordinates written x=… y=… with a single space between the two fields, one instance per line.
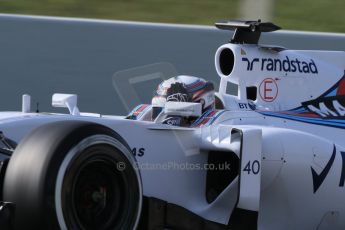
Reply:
x=183 y=88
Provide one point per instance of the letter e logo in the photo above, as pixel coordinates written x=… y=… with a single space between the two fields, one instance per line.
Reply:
x=268 y=90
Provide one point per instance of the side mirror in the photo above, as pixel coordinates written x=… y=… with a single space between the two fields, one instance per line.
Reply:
x=66 y=101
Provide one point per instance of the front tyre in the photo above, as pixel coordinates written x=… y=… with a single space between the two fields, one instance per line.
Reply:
x=73 y=175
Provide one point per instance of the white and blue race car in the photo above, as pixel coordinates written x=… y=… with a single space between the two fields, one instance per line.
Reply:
x=271 y=157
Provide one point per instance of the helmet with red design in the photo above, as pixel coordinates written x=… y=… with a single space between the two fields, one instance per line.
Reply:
x=183 y=88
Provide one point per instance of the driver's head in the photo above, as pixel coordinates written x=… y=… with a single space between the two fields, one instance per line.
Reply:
x=184 y=89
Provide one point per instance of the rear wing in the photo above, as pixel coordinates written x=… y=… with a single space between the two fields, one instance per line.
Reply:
x=246 y=31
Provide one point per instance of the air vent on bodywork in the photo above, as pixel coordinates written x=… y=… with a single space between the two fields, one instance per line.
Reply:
x=226 y=61
x=251 y=93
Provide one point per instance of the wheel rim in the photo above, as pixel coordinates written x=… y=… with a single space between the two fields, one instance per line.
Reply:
x=92 y=193
x=98 y=195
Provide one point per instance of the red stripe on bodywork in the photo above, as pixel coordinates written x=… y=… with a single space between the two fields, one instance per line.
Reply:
x=140 y=109
x=206 y=119
x=307 y=114
x=341 y=88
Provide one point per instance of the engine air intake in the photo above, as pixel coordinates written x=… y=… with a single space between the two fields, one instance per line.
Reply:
x=226 y=61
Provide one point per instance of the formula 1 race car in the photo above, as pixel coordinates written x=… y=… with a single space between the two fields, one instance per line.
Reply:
x=272 y=157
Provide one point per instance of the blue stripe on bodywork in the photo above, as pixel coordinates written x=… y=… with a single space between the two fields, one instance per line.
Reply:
x=318 y=121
